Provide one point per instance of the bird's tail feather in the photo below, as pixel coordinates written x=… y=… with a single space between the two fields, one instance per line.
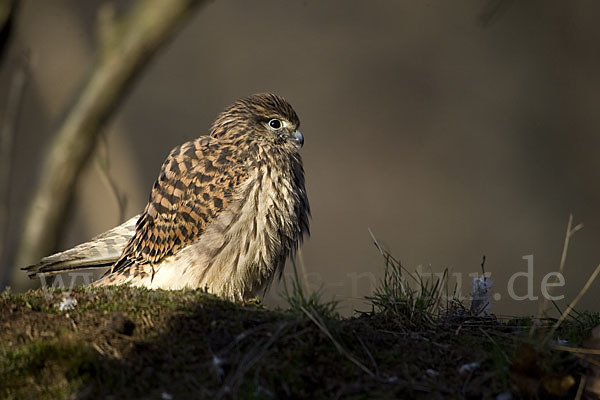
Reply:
x=101 y=251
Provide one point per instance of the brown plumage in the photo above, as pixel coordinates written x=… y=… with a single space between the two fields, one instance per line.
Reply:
x=224 y=214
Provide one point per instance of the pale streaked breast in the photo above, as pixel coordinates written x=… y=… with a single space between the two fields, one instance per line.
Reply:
x=243 y=247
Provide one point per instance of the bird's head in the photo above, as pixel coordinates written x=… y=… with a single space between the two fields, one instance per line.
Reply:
x=263 y=117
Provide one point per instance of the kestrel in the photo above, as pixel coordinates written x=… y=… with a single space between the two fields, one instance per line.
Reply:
x=224 y=214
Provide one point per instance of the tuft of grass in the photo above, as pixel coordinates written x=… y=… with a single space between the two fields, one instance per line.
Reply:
x=417 y=300
x=299 y=301
x=579 y=330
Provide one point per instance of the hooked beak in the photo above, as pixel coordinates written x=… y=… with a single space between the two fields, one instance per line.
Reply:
x=297 y=138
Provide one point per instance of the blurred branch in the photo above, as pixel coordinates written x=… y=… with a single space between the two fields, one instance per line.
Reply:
x=8 y=11
x=8 y=131
x=125 y=48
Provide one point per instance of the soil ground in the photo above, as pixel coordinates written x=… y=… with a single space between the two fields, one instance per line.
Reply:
x=137 y=343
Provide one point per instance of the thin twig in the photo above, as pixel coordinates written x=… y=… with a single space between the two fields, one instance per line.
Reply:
x=483 y=266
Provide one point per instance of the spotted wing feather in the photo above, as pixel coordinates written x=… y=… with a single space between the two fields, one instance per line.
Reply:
x=195 y=184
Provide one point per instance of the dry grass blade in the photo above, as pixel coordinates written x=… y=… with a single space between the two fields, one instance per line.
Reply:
x=249 y=359
x=296 y=298
x=376 y=242
x=495 y=343
x=577 y=350
x=563 y=259
x=321 y=325
x=573 y=303
x=570 y=232
x=369 y=354
x=581 y=387
x=303 y=271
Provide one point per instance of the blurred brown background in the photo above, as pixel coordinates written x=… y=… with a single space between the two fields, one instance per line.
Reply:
x=451 y=129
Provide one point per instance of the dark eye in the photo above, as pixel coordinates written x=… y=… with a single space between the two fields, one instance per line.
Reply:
x=275 y=124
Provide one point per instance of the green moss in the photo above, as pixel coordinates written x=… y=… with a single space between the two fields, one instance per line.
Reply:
x=51 y=370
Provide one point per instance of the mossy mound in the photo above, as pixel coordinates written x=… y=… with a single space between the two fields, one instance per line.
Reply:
x=131 y=343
